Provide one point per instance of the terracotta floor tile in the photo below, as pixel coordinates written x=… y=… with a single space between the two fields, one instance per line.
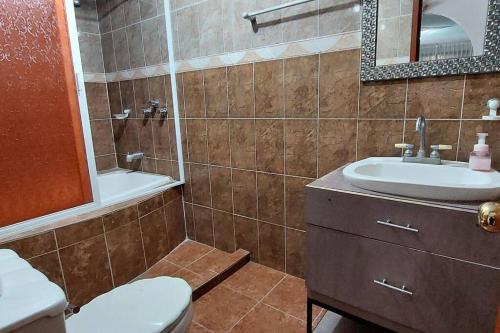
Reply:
x=238 y=254
x=290 y=296
x=265 y=319
x=254 y=280
x=161 y=268
x=188 y=252
x=221 y=308
x=318 y=318
x=215 y=261
x=194 y=279
x=197 y=328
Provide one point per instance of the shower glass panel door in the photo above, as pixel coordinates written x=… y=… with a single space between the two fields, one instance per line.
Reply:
x=43 y=165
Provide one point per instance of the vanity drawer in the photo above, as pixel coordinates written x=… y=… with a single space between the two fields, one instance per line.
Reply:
x=442 y=231
x=448 y=295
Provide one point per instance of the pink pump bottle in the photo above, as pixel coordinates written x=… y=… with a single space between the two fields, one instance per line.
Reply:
x=480 y=158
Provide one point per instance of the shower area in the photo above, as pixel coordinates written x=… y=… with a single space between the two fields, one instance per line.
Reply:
x=123 y=47
x=98 y=74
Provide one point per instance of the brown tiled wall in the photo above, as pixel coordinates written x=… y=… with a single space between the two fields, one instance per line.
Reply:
x=209 y=27
x=100 y=125
x=91 y=257
x=97 y=95
x=89 y=38
x=256 y=134
x=153 y=135
x=132 y=33
x=114 y=138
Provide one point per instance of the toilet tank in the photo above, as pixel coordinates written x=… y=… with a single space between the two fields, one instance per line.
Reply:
x=29 y=302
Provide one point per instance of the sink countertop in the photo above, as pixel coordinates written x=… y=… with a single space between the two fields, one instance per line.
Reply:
x=335 y=181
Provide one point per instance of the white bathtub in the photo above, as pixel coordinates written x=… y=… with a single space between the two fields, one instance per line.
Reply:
x=117 y=187
x=120 y=185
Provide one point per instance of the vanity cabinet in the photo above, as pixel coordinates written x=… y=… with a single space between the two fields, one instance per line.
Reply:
x=404 y=264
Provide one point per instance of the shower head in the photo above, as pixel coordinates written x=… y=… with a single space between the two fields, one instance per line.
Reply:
x=76 y=3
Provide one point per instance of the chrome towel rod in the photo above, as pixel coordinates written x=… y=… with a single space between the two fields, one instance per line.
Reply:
x=252 y=17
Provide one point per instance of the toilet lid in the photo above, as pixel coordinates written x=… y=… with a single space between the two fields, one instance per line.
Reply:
x=144 y=306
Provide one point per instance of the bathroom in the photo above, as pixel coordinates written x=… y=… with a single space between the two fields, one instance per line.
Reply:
x=209 y=166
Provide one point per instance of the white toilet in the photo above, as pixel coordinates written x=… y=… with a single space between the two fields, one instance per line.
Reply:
x=29 y=302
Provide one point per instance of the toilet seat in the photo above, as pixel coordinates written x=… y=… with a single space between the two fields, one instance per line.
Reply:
x=145 y=306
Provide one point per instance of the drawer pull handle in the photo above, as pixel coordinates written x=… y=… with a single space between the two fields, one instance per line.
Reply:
x=384 y=283
x=388 y=223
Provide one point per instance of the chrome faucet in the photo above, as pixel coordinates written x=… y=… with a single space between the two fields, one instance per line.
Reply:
x=421 y=131
x=434 y=157
x=135 y=156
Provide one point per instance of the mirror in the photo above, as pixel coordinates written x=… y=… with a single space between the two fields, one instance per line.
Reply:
x=420 y=38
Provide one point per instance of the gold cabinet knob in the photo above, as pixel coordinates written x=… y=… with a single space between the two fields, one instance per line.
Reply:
x=489 y=216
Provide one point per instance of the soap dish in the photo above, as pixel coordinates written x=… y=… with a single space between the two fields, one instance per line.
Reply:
x=122 y=116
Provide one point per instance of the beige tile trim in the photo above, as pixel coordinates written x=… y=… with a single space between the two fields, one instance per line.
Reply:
x=305 y=47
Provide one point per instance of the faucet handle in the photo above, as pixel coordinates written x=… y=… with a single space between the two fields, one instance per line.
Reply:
x=441 y=147
x=155 y=102
x=147 y=112
x=404 y=145
x=163 y=111
x=437 y=148
x=408 y=148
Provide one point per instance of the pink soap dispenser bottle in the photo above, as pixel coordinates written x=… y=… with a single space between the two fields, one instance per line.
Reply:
x=480 y=158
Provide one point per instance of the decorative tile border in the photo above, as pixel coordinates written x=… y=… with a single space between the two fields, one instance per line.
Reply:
x=95 y=77
x=279 y=51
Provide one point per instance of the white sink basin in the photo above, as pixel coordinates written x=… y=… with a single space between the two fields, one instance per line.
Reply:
x=449 y=181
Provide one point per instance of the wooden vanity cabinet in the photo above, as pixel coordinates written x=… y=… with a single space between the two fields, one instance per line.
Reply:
x=405 y=264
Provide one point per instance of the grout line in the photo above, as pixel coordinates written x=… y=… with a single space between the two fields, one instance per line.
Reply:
x=166 y=121
x=192 y=206
x=307 y=118
x=156 y=209
x=204 y=255
x=197 y=323
x=318 y=113
x=208 y=156
x=107 y=254
x=258 y=302
x=129 y=25
x=249 y=218
x=356 y=143
x=142 y=242
x=405 y=112
x=255 y=160
x=105 y=155
x=284 y=122
x=230 y=156
x=60 y=264
x=461 y=118
x=249 y=170
x=165 y=218
x=186 y=149
x=152 y=128
x=283 y=312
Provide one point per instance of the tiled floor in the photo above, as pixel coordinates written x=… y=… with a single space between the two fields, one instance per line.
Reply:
x=254 y=299
x=194 y=262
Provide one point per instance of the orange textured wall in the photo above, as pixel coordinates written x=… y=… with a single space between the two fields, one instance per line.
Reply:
x=42 y=158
